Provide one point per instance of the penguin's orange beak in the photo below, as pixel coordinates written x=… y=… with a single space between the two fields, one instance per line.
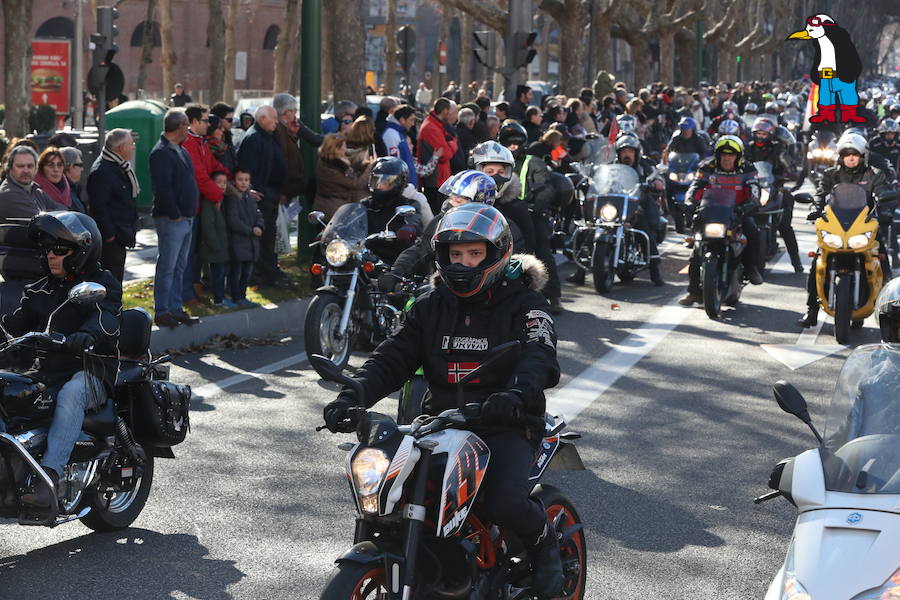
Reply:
x=800 y=35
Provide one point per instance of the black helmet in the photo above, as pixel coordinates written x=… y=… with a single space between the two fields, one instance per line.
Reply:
x=472 y=223
x=887 y=307
x=513 y=134
x=72 y=229
x=388 y=180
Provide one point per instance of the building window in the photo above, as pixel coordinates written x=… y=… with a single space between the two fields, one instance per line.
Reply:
x=271 y=39
x=137 y=37
x=57 y=27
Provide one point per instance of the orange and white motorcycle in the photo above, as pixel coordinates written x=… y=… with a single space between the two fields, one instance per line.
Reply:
x=417 y=531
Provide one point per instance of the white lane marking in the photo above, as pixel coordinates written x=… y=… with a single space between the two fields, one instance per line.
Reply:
x=593 y=382
x=213 y=388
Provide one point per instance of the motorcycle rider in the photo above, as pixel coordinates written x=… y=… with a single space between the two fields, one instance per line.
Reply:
x=628 y=152
x=729 y=113
x=767 y=148
x=539 y=193
x=482 y=297
x=386 y=185
x=71 y=245
x=726 y=169
x=496 y=161
x=685 y=139
x=850 y=168
x=886 y=143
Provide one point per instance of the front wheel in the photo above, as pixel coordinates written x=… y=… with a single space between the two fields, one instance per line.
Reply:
x=572 y=546
x=712 y=292
x=842 y=308
x=354 y=581
x=121 y=509
x=320 y=329
x=604 y=273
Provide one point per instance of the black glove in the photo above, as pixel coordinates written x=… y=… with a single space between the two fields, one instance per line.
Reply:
x=812 y=216
x=502 y=408
x=388 y=282
x=336 y=411
x=79 y=341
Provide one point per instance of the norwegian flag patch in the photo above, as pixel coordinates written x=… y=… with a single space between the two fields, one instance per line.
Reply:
x=458 y=370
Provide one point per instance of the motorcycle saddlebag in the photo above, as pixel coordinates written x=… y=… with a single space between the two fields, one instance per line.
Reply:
x=159 y=412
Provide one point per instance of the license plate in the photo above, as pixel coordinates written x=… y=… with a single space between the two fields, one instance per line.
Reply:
x=127 y=472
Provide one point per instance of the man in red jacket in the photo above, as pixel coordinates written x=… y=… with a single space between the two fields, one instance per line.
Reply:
x=433 y=135
x=204 y=164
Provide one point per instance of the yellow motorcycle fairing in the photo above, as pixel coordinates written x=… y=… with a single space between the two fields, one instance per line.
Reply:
x=860 y=226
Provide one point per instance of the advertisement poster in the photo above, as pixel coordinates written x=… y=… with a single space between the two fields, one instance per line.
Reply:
x=50 y=74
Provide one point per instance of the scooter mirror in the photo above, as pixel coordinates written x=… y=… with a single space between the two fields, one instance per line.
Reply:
x=791 y=400
x=315 y=216
x=404 y=210
x=87 y=292
x=803 y=198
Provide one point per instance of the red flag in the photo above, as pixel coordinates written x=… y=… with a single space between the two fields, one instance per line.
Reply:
x=812 y=106
x=613 y=130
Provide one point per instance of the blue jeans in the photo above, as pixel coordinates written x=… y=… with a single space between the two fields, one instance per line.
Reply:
x=80 y=394
x=193 y=267
x=238 y=278
x=832 y=89
x=174 y=244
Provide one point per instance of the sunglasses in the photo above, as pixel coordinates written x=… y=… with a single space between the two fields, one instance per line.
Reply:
x=346 y=121
x=59 y=250
x=77 y=164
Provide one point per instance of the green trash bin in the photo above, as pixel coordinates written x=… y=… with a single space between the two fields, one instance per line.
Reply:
x=144 y=118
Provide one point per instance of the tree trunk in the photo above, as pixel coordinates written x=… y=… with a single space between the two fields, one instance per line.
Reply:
x=294 y=59
x=544 y=49
x=666 y=56
x=390 y=48
x=284 y=47
x=686 y=46
x=570 y=50
x=17 y=58
x=169 y=59
x=602 y=50
x=348 y=50
x=230 y=52
x=146 y=45
x=214 y=29
x=327 y=69
x=465 y=72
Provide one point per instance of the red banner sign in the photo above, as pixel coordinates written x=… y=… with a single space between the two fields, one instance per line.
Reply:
x=50 y=74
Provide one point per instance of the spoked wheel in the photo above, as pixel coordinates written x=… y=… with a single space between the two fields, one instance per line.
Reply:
x=320 y=329
x=121 y=509
x=353 y=581
x=572 y=547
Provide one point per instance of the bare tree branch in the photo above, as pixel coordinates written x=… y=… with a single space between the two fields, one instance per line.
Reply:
x=484 y=11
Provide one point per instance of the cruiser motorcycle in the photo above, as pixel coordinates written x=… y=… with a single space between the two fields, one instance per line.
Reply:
x=718 y=232
x=418 y=535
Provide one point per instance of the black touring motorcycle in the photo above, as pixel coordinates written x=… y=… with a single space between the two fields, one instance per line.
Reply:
x=415 y=488
x=108 y=477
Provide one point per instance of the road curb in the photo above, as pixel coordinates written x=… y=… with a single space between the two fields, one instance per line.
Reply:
x=255 y=322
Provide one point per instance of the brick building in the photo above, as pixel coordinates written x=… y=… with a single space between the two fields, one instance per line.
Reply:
x=256 y=34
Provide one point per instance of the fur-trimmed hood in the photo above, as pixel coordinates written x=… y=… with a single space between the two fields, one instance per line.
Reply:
x=525 y=266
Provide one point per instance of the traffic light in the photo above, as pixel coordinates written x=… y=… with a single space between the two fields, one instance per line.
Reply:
x=406 y=42
x=524 y=48
x=485 y=45
x=106 y=27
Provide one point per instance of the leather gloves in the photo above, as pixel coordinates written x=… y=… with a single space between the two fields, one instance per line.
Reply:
x=813 y=215
x=79 y=341
x=502 y=408
x=336 y=411
x=388 y=282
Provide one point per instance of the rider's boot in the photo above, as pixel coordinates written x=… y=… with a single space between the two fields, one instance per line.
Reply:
x=754 y=276
x=41 y=497
x=655 y=277
x=548 y=579
x=577 y=277
x=810 y=317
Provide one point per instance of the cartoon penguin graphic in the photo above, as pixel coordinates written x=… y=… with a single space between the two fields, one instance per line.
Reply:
x=835 y=69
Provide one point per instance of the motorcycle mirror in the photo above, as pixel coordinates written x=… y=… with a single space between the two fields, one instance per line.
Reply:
x=508 y=351
x=316 y=216
x=329 y=371
x=803 y=198
x=792 y=402
x=87 y=292
x=404 y=210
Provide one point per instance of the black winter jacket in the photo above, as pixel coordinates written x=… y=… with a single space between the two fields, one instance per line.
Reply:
x=869 y=177
x=112 y=205
x=448 y=337
x=101 y=320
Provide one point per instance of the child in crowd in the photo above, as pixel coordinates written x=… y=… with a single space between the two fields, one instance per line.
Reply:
x=213 y=247
x=245 y=226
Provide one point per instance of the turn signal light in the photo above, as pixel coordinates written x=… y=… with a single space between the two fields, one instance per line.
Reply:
x=316 y=269
x=811 y=254
x=368 y=267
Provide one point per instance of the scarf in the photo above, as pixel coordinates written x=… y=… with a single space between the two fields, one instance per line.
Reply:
x=218 y=147
x=58 y=192
x=126 y=167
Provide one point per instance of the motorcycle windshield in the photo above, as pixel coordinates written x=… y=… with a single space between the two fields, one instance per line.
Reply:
x=350 y=223
x=847 y=200
x=683 y=162
x=717 y=205
x=823 y=138
x=764 y=173
x=616 y=179
x=861 y=451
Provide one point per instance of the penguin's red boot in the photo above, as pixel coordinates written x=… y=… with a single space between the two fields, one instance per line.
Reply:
x=848 y=114
x=825 y=114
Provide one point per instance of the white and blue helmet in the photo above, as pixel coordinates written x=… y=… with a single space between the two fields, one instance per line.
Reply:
x=729 y=127
x=474 y=185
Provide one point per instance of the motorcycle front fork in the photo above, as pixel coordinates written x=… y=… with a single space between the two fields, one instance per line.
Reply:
x=414 y=513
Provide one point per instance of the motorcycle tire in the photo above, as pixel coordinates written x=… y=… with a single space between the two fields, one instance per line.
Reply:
x=323 y=316
x=857 y=324
x=604 y=274
x=712 y=292
x=355 y=581
x=842 y=308
x=572 y=548
x=122 y=509
x=411 y=397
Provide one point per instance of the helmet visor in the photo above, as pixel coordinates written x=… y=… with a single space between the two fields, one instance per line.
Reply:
x=383 y=181
x=471 y=223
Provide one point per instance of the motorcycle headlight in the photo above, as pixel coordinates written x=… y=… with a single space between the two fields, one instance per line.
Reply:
x=817 y=152
x=890 y=589
x=833 y=240
x=368 y=469
x=714 y=230
x=608 y=212
x=673 y=176
x=859 y=241
x=828 y=153
x=793 y=589
x=688 y=176
x=763 y=197
x=337 y=252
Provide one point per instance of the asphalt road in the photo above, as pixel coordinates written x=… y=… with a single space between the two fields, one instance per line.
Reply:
x=256 y=504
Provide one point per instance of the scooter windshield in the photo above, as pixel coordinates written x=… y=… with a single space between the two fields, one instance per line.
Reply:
x=861 y=452
x=764 y=173
x=847 y=200
x=683 y=162
x=350 y=223
x=616 y=179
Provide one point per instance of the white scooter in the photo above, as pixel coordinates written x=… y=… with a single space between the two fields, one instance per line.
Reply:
x=846 y=543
